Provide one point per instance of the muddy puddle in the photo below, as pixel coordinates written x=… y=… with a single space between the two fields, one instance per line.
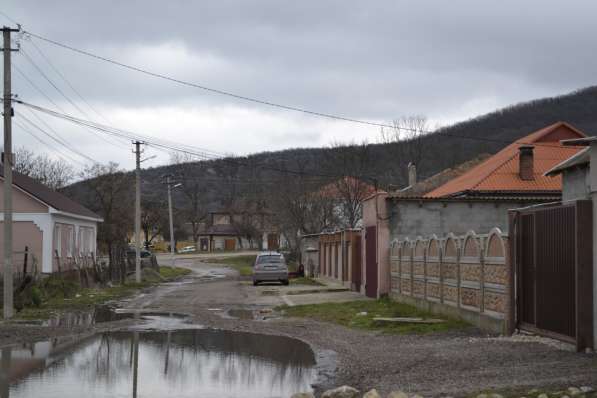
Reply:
x=178 y=363
x=249 y=314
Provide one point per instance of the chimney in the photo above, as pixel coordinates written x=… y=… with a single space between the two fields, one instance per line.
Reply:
x=525 y=163
x=412 y=174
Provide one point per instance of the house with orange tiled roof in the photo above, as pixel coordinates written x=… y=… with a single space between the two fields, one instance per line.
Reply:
x=518 y=169
x=476 y=199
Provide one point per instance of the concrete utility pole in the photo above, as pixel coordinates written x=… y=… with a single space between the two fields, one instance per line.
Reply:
x=8 y=163
x=172 y=248
x=137 y=211
x=172 y=245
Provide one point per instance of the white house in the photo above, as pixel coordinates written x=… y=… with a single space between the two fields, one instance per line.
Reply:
x=53 y=227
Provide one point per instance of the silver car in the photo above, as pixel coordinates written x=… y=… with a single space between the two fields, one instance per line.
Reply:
x=270 y=267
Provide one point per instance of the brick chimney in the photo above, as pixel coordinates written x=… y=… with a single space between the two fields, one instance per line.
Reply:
x=525 y=168
x=412 y=174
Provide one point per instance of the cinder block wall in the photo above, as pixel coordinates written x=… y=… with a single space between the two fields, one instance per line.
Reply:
x=464 y=276
x=412 y=218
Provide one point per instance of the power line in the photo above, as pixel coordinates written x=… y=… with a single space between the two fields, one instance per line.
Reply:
x=67 y=98
x=59 y=140
x=205 y=88
x=61 y=154
x=175 y=147
x=63 y=77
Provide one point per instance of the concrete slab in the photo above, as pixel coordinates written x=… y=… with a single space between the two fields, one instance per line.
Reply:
x=320 y=298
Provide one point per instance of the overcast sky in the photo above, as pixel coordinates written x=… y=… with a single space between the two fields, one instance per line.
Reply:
x=370 y=60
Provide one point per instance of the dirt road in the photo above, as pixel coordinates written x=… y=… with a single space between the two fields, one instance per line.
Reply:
x=453 y=363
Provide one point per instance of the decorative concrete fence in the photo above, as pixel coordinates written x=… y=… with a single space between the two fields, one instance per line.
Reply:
x=463 y=276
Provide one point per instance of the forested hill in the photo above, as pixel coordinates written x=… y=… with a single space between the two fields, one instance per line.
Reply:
x=385 y=163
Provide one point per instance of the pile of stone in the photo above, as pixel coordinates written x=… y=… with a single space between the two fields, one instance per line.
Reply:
x=349 y=392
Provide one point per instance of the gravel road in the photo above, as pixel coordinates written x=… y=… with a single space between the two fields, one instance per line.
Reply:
x=455 y=363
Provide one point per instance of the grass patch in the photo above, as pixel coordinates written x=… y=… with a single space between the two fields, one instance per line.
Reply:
x=173 y=272
x=348 y=314
x=305 y=281
x=243 y=264
x=58 y=295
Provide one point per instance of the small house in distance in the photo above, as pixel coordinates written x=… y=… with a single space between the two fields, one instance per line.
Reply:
x=57 y=231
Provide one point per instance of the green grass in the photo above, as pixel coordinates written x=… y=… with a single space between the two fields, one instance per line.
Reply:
x=173 y=272
x=305 y=281
x=348 y=314
x=58 y=295
x=243 y=264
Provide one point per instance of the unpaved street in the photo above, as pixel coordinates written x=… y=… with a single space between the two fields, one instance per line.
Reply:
x=454 y=363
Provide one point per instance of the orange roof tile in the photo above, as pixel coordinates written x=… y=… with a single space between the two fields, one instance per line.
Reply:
x=500 y=172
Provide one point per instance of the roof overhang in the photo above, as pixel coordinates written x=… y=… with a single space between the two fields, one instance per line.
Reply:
x=579 y=141
x=73 y=215
x=579 y=159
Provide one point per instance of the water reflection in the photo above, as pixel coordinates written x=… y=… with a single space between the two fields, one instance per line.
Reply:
x=183 y=363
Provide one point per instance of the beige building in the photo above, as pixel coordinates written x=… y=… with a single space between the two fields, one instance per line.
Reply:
x=56 y=230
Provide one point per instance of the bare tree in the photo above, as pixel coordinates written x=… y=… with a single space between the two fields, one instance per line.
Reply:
x=154 y=219
x=298 y=206
x=352 y=163
x=110 y=195
x=53 y=173
x=406 y=137
x=195 y=178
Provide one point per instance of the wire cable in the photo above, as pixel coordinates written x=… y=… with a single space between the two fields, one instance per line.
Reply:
x=58 y=140
x=205 y=88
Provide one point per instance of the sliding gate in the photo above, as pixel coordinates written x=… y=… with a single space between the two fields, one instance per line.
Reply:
x=552 y=252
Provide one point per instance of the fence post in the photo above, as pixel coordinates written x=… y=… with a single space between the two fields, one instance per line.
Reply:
x=25 y=261
x=482 y=275
x=440 y=253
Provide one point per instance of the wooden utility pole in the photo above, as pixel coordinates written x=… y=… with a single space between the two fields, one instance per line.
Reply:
x=8 y=163
x=137 y=211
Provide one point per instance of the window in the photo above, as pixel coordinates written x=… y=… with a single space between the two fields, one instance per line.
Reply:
x=57 y=240
x=70 y=240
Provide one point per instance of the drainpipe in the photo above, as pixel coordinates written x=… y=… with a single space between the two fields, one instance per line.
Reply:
x=593 y=180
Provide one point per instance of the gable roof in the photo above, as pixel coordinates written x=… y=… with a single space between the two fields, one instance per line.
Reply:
x=51 y=198
x=439 y=179
x=499 y=173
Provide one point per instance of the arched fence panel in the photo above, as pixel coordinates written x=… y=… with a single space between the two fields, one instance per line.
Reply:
x=464 y=276
x=419 y=270
x=433 y=267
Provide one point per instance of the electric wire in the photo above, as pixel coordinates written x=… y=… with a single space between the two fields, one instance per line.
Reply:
x=205 y=88
x=59 y=153
x=57 y=139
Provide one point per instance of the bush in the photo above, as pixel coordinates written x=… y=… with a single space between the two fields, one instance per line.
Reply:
x=36 y=296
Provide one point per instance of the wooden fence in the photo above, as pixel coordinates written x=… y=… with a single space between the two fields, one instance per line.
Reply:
x=466 y=276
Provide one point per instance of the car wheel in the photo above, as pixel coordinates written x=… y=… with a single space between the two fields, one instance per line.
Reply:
x=285 y=282
x=255 y=283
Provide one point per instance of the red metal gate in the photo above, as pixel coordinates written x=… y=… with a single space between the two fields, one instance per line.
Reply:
x=371 y=262
x=552 y=251
x=356 y=264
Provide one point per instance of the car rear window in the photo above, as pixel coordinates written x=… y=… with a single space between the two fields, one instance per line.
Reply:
x=269 y=259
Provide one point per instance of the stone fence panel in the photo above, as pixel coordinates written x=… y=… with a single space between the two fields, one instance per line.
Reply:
x=465 y=276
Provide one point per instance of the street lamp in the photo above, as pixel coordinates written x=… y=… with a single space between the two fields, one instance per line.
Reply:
x=170 y=188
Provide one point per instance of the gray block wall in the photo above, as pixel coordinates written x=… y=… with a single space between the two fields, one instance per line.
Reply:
x=412 y=218
x=576 y=184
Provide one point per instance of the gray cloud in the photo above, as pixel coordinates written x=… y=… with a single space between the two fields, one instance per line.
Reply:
x=372 y=60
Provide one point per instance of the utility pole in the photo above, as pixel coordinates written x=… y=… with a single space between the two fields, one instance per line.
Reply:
x=172 y=245
x=172 y=248
x=137 y=211
x=8 y=163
